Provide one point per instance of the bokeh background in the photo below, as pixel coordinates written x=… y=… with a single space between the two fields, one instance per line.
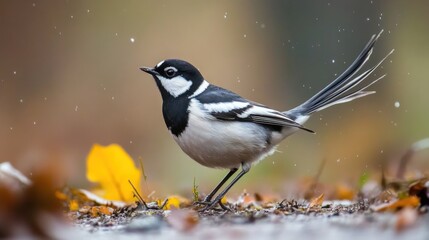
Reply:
x=69 y=78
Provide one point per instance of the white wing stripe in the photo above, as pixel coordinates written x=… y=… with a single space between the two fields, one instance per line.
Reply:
x=256 y=110
x=224 y=106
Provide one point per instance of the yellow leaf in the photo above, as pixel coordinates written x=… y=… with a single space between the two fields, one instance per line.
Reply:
x=73 y=205
x=112 y=167
x=174 y=201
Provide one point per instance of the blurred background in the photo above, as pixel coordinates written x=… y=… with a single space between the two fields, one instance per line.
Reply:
x=69 y=78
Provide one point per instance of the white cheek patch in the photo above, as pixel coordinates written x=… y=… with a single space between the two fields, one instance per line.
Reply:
x=175 y=86
x=225 y=106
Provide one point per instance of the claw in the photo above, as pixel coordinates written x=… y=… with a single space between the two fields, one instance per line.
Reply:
x=212 y=204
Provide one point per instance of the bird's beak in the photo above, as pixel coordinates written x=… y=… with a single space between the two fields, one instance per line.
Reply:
x=149 y=70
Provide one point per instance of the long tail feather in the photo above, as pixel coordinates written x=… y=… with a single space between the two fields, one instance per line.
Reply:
x=342 y=89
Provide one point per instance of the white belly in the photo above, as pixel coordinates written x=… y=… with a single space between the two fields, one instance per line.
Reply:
x=223 y=144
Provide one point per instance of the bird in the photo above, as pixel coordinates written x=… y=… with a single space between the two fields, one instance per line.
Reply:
x=220 y=129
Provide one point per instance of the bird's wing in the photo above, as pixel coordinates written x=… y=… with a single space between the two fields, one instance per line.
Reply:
x=235 y=108
x=247 y=112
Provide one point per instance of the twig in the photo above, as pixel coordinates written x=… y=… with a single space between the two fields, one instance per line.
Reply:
x=139 y=197
x=310 y=192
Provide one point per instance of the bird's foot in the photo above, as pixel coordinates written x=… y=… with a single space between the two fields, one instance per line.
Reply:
x=211 y=204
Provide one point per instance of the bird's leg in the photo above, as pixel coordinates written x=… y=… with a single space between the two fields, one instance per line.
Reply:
x=244 y=169
x=208 y=198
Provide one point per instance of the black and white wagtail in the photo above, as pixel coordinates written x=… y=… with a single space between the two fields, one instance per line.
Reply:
x=220 y=129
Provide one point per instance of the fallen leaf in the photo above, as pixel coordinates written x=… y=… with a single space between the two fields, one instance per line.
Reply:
x=183 y=219
x=224 y=200
x=411 y=201
x=73 y=205
x=317 y=201
x=112 y=167
x=174 y=202
x=420 y=189
x=406 y=218
x=344 y=192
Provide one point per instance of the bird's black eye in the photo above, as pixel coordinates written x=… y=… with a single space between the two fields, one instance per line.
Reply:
x=170 y=71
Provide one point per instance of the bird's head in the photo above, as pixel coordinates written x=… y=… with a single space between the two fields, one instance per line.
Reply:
x=175 y=78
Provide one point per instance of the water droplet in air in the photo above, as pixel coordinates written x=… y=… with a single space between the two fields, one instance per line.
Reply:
x=76 y=108
x=333 y=60
x=21 y=100
x=397 y=104
x=132 y=40
x=225 y=15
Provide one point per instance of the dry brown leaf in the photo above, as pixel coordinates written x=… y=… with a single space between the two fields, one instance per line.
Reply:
x=411 y=201
x=317 y=201
x=344 y=192
x=406 y=218
x=183 y=219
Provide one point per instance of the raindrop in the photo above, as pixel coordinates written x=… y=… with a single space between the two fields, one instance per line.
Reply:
x=14 y=72
x=34 y=4
x=131 y=141
x=21 y=100
x=34 y=123
x=76 y=108
x=333 y=60
x=368 y=19
x=225 y=15
x=87 y=10
x=132 y=40
x=71 y=16
x=245 y=35
x=113 y=98
x=338 y=160
x=397 y=104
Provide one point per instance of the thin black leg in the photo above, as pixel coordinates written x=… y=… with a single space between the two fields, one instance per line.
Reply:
x=208 y=198
x=222 y=194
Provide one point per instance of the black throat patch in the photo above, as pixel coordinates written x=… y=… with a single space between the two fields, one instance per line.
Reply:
x=176 y=115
